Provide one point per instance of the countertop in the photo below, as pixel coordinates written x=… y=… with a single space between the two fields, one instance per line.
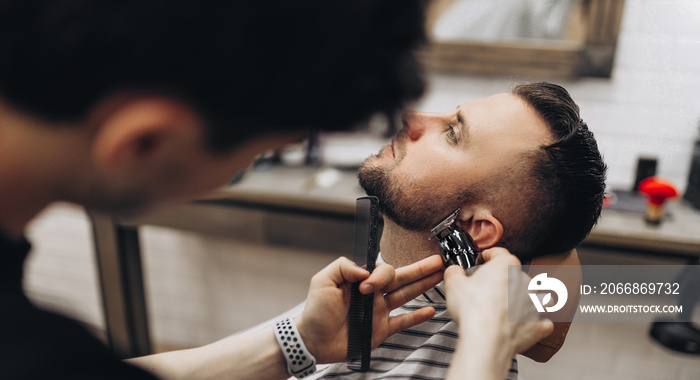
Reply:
x=294 y=189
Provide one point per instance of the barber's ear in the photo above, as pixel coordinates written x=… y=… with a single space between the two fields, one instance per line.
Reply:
x=483 y=227
x=142 y=127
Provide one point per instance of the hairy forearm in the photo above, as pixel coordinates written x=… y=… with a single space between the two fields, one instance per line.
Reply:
x=322 y=326
x=255 y=355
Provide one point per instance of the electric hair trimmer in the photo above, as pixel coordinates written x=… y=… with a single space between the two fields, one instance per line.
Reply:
x=456 y=246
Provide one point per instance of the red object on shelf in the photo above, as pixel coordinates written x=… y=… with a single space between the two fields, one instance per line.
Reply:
x=658 y=191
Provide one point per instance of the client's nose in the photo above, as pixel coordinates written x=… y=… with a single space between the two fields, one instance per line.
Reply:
x=415 y=124
x=418 y=123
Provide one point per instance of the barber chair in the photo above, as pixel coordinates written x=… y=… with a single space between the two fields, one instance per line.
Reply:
x=681 y=335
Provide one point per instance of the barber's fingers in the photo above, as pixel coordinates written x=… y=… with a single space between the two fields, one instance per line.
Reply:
x=494 y=260
x=341 y=271
x=498 y=254
x=406 y=283
x=493 y=295
x=459 y=292
x=414 y=272
x=382 y=275
x=454 y=273
x=408 y=292
x=408 y=320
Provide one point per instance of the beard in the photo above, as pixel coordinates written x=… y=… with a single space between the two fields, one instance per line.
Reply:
x=420 y=212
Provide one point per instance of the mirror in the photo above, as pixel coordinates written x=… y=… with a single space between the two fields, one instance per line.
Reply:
x=550 y=38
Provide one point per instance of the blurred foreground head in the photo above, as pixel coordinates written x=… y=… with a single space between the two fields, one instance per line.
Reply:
x=247 y=67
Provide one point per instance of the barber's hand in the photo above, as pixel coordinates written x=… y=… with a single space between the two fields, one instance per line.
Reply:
x=323 y=324
x=479 y=303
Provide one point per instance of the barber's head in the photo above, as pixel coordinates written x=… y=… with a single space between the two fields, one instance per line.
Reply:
x=522 y=166
x=227 y=75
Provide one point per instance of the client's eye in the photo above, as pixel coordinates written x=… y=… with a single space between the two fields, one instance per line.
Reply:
x=452 y=135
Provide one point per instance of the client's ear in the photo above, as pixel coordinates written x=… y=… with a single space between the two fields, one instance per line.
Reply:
x=483 y=227
x=141 y=128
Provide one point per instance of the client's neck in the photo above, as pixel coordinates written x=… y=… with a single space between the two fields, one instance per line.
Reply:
x=401 y=247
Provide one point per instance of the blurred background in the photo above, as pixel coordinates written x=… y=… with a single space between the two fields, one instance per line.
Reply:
x=632 y=66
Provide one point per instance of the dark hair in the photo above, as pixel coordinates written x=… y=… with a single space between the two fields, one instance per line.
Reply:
x=248 y=67
x=566 y=179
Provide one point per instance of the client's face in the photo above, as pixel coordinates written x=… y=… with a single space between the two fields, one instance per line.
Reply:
x=441 y=161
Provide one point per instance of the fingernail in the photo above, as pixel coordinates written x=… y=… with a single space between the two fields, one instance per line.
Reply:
x=367 y=288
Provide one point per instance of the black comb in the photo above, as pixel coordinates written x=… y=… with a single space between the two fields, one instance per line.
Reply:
x=362 y=306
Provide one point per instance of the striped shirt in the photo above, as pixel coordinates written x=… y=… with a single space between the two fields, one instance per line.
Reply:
x=422 y=352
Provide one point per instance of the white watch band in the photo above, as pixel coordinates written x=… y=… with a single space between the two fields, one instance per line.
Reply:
x=300 y=362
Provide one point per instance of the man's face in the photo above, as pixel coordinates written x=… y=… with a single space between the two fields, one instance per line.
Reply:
x=441 y=161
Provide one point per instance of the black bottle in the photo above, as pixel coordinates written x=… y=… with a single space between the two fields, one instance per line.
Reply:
x=692 y=190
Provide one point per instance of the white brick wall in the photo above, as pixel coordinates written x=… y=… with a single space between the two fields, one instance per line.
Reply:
x=60 y=271
x=651 y=106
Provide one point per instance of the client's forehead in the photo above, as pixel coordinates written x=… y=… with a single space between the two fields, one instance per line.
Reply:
x=503 y=99
x=508 y=116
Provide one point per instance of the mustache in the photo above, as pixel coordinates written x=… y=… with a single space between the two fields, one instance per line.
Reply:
x=399 y=143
